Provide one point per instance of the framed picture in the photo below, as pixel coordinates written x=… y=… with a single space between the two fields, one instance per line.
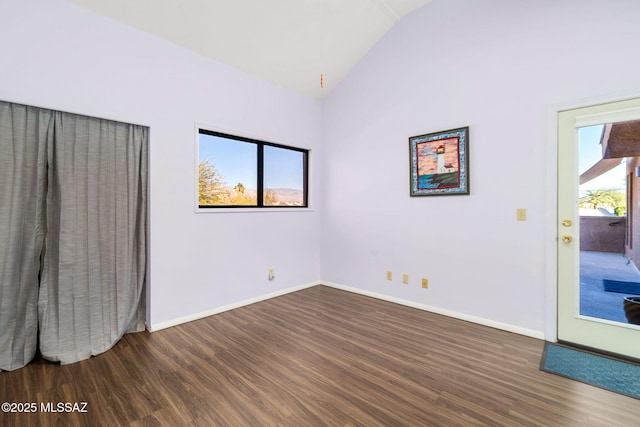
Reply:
x=440 y=163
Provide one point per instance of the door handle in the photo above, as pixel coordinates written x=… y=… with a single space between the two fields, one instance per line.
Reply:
x=567 y=238
x=567 y=222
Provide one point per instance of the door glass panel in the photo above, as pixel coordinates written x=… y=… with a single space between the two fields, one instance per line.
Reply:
x=607 y=164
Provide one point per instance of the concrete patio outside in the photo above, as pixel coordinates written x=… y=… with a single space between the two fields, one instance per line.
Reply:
x=594 y=300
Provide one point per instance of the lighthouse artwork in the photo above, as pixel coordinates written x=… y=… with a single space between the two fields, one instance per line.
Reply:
x=443 y=167
x=439 y=163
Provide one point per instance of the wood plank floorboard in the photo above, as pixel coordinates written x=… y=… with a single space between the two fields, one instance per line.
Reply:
x=316 y=357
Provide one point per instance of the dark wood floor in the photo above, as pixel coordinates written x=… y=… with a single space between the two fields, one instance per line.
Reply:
x=317 y=357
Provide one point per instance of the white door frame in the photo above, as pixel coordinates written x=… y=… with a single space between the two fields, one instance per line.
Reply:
x=551 y=225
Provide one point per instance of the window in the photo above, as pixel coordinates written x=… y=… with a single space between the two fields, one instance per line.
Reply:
x=238 y=172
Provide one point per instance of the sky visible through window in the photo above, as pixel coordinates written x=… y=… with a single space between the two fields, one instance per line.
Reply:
x=283 y=168
x=237 y=162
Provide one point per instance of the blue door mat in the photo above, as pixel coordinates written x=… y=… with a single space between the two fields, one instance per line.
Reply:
x=621 y=286
x=601 y=371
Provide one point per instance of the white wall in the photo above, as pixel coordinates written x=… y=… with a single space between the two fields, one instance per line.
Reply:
x=57 y=55
x=499 y=67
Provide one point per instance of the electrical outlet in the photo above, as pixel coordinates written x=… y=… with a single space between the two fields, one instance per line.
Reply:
x=405 y=279
x=521 y=214
x=272 y=274
x=425 y=283
x=389 y=275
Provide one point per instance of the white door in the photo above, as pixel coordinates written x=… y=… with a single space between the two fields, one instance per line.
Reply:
x=574 y=326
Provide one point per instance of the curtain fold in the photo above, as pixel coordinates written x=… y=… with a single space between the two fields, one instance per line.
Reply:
x=93 y=275
x=25 y=134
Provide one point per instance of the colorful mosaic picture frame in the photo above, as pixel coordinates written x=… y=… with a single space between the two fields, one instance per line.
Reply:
x=439 y=163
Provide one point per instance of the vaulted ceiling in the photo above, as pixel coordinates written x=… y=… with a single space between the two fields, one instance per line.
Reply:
x=287 y=42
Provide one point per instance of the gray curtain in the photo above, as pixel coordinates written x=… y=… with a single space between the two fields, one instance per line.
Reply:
x=25 y=133
x=92 y=285
x=73 y=208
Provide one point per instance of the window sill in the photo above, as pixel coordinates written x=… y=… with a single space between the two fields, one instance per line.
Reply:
x=251 y=210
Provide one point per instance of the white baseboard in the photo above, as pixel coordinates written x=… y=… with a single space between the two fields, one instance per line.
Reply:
x=474 y=319
x=196 y=316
